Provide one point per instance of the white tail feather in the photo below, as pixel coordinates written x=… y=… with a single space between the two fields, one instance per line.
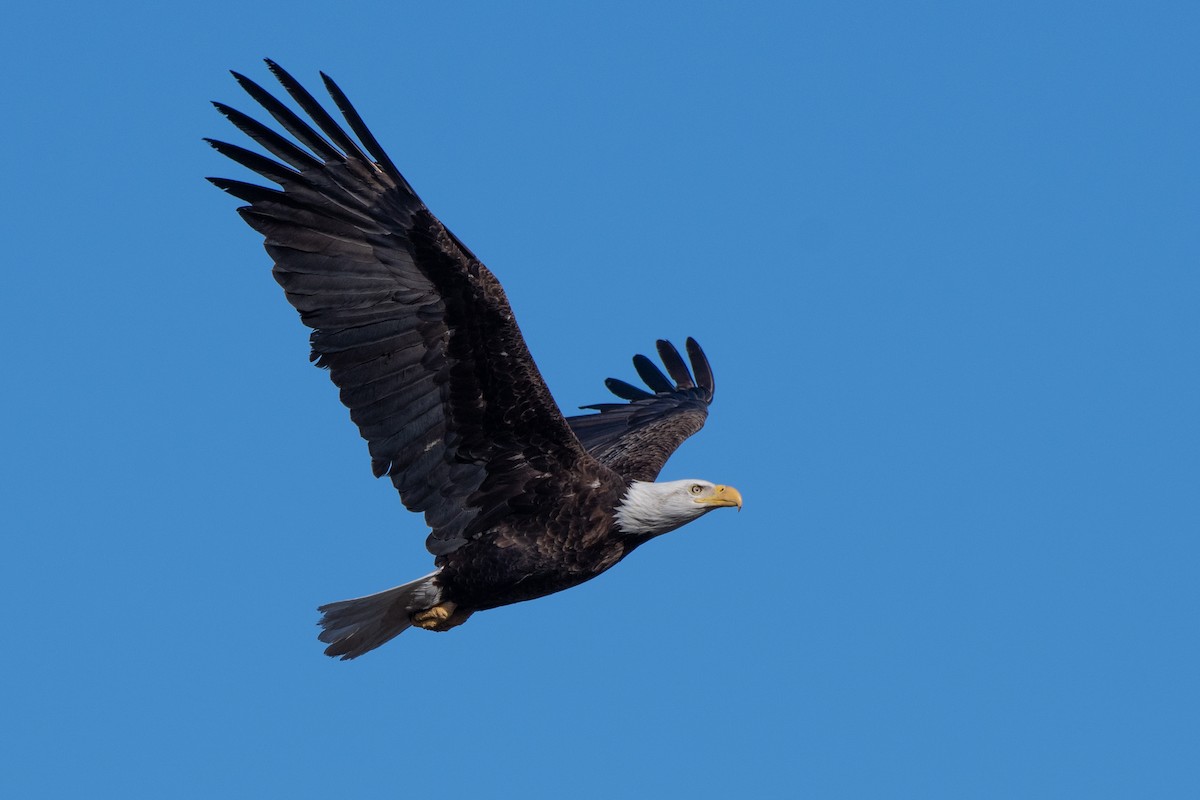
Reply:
x=354 y=627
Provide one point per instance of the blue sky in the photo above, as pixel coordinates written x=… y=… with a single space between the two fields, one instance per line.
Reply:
x=943 y=257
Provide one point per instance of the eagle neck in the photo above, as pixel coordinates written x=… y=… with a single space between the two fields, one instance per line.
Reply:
x=645 y=511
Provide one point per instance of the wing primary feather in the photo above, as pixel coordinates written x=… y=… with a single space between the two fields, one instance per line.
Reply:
x=674 y=364
x=278 y=146
x=626 y=391
x=318 y=113
x=700 y=367
x=361 y=130
x=249 y=192
x=652 y=375
x=607 y=406
x=271 y=170
x=292 y=123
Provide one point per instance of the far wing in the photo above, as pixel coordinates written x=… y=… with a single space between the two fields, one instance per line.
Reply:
x=636 y=438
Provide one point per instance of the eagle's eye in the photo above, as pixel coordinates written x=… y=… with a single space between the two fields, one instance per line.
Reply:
x=697 y=488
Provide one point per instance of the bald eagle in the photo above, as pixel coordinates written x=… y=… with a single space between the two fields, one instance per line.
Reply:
x=417 y=334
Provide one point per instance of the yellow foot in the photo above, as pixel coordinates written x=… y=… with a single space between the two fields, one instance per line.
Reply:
x=441 y=617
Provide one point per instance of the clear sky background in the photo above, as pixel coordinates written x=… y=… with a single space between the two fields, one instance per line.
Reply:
x=943 y=257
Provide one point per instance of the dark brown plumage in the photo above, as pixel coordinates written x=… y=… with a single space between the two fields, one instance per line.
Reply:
x=418 y=336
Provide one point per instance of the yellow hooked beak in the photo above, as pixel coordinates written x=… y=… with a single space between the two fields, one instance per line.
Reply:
x=721 y=496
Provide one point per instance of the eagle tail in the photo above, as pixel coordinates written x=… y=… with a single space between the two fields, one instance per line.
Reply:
x=354 y=627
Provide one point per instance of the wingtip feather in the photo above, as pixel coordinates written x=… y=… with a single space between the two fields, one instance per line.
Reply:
x=626 y=391
x=649 y=372
x=700 y=367
x=674 y=364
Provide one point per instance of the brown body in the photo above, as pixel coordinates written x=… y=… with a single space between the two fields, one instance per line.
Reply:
x=511 y=567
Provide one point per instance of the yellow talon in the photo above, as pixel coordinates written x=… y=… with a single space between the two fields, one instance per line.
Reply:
x=441 y=617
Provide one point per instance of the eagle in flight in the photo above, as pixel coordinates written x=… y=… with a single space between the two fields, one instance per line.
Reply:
x=420 y=340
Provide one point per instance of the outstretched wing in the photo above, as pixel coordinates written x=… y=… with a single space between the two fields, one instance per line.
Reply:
x=636 y=438
x=415 y=331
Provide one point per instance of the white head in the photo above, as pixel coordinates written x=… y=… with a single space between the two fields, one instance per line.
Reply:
x=654 y=508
